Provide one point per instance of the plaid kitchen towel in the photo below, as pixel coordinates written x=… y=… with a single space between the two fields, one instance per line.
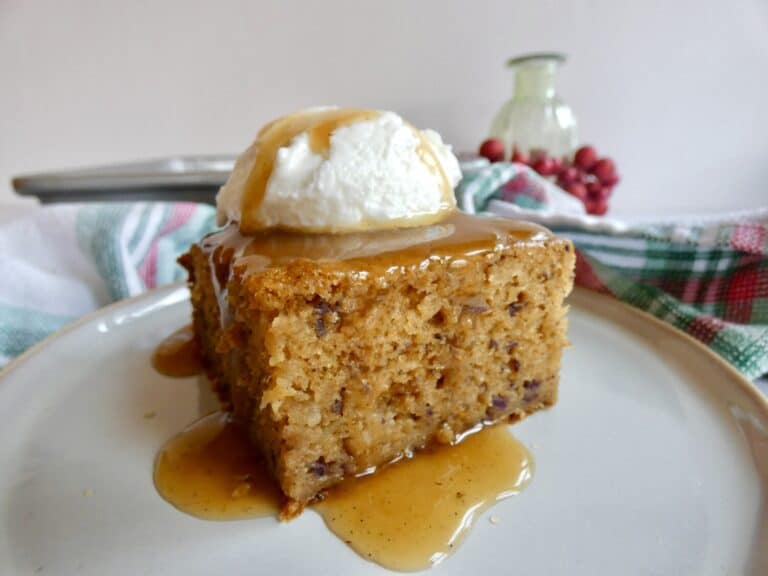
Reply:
x=709 y=280
x=708 y=277
x=62 y=261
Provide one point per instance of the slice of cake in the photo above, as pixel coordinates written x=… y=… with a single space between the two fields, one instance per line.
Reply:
x=343 y=341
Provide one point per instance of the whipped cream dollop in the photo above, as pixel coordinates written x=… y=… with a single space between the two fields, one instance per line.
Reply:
x=340 y=170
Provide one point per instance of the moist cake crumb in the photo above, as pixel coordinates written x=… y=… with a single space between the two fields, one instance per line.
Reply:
x=343 y=353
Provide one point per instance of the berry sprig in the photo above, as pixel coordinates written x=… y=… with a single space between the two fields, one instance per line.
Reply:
x=586 y=176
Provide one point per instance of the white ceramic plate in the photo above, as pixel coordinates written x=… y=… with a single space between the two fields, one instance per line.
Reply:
x=655 y=461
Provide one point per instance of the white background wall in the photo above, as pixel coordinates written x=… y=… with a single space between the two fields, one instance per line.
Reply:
x=675 y=91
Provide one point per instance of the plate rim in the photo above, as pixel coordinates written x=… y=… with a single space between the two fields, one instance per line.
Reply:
x=747 y=385
x=578 y=293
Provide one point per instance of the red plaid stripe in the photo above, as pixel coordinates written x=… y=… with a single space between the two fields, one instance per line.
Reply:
x=586 y=276
x=693 y=290
x=705 y=328
x=180 y=215
x=741 y=291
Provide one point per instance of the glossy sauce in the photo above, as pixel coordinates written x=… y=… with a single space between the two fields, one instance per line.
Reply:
x=178 y=356
x=414 y=513
x=457 y=237
x=407 y=516
x=212 y=471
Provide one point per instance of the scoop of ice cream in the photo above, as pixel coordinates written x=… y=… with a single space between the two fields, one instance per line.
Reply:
x=340 y=170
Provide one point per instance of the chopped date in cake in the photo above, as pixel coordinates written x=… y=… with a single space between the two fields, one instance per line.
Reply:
x=499 y=402
x=531 y=387
x=530 y=396
x=322 y=310
x=531 y=384
x=516 y=306
x=498 y=405
x=318 y=467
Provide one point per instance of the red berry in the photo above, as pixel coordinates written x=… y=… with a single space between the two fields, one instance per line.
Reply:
x=544 y=166
x=597 y=207
x=492 y=149
x=578 y=190
x=611 y=182
x=518 y=156
x=585 y=157
x=568 y=174
x=537 y=154
x=604 y=169
x=596 y=191
x=557 y=165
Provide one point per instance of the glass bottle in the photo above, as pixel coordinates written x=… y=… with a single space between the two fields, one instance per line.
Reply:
x=535 y=118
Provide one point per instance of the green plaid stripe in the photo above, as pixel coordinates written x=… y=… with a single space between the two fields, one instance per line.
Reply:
x=22 y=329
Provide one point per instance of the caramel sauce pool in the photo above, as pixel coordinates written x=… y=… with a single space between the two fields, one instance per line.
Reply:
x=212 y=471
x=414 y=513
x=407 y=516
x=178 y=355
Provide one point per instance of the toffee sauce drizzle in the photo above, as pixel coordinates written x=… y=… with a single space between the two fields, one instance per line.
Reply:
x=407 y=516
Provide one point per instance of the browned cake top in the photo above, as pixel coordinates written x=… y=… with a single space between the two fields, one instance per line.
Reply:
x=458 y=236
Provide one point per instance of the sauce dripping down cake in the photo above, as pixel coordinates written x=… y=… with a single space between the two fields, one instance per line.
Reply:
x=341 y=341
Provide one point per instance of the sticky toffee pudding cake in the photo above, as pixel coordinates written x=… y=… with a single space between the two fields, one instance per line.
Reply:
x=348 y=315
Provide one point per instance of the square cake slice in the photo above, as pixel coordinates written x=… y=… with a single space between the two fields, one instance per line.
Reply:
x=341 y=353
